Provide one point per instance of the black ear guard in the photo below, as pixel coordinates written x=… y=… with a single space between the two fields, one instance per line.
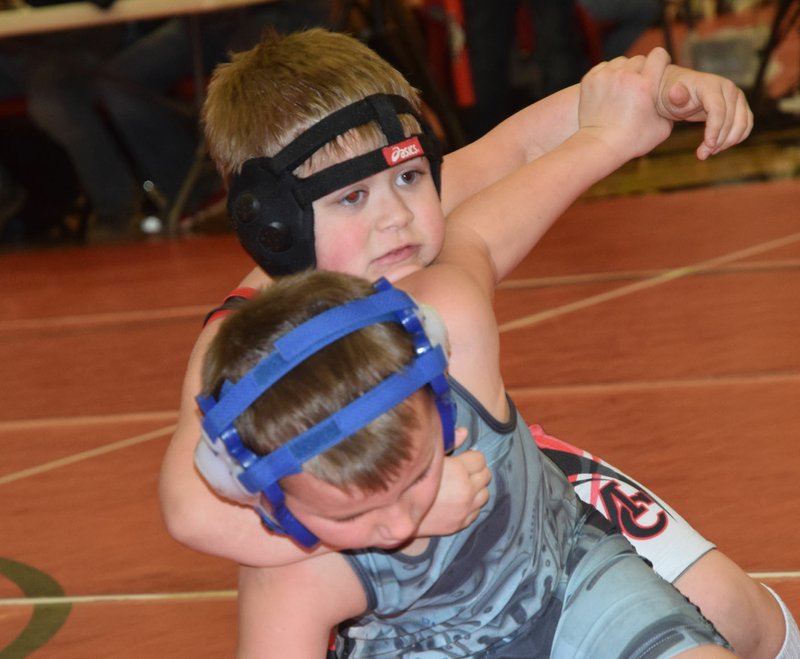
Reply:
x=271 y=209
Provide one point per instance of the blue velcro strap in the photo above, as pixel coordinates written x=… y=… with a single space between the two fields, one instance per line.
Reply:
x=289 y=458
x=299 y=344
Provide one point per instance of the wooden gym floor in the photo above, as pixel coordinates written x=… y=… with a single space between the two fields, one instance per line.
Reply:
x=659 y=330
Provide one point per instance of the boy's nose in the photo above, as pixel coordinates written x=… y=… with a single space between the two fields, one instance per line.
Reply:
x=396 y=214
x=397 y=525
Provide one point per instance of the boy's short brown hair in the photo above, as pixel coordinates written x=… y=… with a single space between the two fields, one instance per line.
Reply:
x=321 y=385
x=266 y=96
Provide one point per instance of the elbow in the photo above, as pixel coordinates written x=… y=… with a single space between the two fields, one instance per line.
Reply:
x=183 y=519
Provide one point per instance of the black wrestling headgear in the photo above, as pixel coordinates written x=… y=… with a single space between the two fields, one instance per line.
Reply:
x=270 y=208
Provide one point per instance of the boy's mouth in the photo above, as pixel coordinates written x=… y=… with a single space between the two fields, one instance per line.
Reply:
x=399 y=255
x=394 y=546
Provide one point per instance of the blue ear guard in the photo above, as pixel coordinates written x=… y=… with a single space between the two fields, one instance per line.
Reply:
x=238 y=473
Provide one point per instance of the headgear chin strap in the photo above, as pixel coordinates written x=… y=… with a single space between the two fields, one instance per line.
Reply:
x=236 y=472
x=270 y=208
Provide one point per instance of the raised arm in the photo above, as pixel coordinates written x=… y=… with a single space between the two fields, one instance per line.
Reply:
x=626 y=108
x=523 y=137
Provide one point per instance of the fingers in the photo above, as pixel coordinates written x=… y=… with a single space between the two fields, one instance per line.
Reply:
x=729 y=119
x=479 y=477
x=655 y=63
x=480 y=473
x=679 y=96
x=474 y=463
x=460 y=436
x=463 y=491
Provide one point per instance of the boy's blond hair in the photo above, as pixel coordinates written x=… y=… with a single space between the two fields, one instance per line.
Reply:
x=265 y=97
x=321 y=385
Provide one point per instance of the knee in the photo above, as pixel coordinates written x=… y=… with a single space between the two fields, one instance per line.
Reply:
x=741 y=609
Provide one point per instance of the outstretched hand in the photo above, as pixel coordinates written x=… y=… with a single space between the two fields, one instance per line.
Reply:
x=687 y=95
x=618 y=104
x=631 y=103
x=463 y=491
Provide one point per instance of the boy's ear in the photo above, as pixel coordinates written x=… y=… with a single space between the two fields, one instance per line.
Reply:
x=272 y=226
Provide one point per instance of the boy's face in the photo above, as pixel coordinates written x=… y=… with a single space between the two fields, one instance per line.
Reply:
x=386 y=519
x=387 y=225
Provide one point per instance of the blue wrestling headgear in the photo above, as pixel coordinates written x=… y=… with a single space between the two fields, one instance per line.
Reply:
x=236 y=472
x=270 y=208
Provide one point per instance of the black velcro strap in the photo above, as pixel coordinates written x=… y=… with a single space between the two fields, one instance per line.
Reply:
x=382 y=108
x=344 y=173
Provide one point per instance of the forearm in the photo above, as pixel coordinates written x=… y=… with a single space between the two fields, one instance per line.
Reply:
x=194 y=515
x=290 y=611
x=515 y=212
x=525 y=136
x=197 y=518
x=274 y=620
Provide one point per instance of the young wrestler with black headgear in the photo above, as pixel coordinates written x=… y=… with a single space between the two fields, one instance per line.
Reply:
x=262 y=125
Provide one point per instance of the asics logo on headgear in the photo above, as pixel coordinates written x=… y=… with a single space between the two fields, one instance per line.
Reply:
x=402 y=151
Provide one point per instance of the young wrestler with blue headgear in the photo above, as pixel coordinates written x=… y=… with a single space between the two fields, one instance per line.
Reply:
x=231 y=467
x=336 y=399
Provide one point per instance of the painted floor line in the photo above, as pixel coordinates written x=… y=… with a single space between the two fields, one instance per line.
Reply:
x=663 y=278
x=629 y=275
x=657 y=385
x=775 y=575
x=220 y=594
x=131 y=597
x=89 y=420
x=111 y=318
x=86 y=455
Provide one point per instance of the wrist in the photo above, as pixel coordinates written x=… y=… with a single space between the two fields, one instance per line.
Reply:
x=607 y=149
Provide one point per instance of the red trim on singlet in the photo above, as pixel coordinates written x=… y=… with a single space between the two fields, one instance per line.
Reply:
x=221 y=311
x=545 y=441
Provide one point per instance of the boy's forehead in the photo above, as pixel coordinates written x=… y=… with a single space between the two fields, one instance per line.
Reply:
x=357 y=143
x=319 y=497
x=340 y=149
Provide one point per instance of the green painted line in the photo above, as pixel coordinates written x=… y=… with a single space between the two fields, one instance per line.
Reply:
x=196 y=596
x=46 y=620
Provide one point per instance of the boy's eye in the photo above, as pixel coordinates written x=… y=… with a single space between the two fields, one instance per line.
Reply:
x=352 y=198
x=424 y=474
x=408 y=177
x=344 y=520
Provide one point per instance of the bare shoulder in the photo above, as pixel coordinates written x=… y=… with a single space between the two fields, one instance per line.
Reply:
x=463 y=300
x=256 y=278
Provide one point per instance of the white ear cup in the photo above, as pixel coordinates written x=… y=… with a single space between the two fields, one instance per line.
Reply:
x=221 y=471
x=434 y=327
